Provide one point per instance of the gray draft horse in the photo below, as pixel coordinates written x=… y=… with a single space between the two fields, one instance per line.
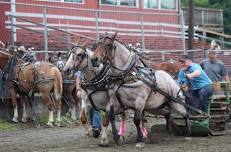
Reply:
x=94 y=92
x=141 y=97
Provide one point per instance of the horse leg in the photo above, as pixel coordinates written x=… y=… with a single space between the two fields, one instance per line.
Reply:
x=24 y=115
x=143 y=128
x=137 y=122
x=104 y=142
x=115 y=134
x=47 y=100
x=59 y=106
x=122 y=129
x=168 y=122
x=72 y=109
x=15 y=105
x=188 y=127
x=77 y=103
x=182 y=111
x=83 y=116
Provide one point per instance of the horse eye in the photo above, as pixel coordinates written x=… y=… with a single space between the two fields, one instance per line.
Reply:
x=79 y=54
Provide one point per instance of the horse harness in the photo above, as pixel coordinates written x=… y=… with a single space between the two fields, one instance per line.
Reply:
x=9 y=74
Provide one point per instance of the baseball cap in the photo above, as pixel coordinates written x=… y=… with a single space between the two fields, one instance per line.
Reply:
x=184 y=57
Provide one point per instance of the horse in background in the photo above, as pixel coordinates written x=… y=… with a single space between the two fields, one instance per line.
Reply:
x=69 y=87
x=26 y=78
x=151 y=89
x=172 y=68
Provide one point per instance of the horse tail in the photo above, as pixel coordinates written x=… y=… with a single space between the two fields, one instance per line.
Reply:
x=58 y=83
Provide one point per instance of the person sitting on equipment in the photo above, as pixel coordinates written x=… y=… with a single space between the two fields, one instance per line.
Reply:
x=199 y=83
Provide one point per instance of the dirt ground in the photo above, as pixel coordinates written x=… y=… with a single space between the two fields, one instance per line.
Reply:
x=73 y=139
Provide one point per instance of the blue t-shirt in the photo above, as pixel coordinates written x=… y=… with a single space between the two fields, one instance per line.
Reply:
x=79 y=74
x=196 y=82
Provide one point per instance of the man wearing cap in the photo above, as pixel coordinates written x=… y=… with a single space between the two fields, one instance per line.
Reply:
x=199 y=83
x=214 y=68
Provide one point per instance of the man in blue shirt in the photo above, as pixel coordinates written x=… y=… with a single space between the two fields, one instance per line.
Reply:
x=95 y=115
x=199 y=83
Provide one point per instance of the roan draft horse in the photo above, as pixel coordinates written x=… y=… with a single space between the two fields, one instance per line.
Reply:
x=152 y=90
x=26 y=78
x=94 y=90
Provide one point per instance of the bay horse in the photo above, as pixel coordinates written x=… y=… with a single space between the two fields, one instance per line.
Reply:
x=26 y=78
x=94 y=91
x=162 y=91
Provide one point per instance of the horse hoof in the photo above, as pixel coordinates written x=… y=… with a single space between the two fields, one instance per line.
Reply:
x=58 y=123
x=121 y=140
x=89 y=132
x=140 y=145
x=188 y=138
x=15 y=120
x=104 y=142
x=24 y=120
x=37 y=126
x=49 y=124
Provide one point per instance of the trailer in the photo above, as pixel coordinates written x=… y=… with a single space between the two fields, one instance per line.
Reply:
x=216 y=122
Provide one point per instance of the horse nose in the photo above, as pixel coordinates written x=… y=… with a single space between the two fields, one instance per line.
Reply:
x=95 y=62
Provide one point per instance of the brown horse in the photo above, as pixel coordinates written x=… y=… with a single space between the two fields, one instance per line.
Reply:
x=172 y=68
x=27 y=78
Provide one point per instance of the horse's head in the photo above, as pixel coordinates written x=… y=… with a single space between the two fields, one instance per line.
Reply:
x=104 y=50
x=76 y=58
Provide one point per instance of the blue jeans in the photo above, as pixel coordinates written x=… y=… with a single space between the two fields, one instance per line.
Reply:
x=203 y=94
x=95 y=118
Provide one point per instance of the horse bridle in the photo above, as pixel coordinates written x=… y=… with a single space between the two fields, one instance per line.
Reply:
x=81 y=56
x=105 y=55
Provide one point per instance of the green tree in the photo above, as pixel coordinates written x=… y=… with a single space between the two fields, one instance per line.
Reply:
x=218 y=4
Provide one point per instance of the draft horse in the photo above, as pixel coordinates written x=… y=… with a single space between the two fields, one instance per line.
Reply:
x=27 y=78
x=153 y=89
x=94 y=91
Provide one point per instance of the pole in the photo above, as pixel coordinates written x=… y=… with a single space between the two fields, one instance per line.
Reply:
x=182 y=30
x=13 y=21
x=191 y=25
x=45 y=34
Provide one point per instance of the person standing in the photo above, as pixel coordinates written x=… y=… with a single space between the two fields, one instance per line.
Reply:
x=199 y=83
x=95 y=115
x=214 y=68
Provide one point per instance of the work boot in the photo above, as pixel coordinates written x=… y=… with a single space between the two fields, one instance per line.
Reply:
x=96 y=132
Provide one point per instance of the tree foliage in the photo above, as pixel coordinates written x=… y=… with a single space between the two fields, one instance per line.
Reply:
x=218 y=4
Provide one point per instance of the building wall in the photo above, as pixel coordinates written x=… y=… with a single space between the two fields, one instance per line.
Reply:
x=159 y=25
x=4 y=33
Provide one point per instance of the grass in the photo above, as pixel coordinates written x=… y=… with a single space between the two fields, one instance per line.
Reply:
x=7 y=126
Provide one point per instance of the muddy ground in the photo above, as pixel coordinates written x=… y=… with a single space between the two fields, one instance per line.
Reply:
x=73 y=138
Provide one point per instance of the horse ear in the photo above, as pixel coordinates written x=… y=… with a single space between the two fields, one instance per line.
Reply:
x=114 y=35
x=85 y=43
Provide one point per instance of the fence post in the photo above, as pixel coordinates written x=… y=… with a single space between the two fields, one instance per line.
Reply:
x=142 y=31
x=97 y=24
x=45 y=33
x=12 y=31
x=182 y=29
x=13 y=21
